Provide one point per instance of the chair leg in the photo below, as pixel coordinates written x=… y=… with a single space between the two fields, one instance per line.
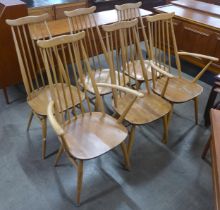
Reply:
x=79 y=180
x=30 y=120
x=126 y=157
x=165 y=129
x=44 y=135
x=59 y=153
x=196 y=101
x=207 y=146
x=131 y=139
x=169 y=115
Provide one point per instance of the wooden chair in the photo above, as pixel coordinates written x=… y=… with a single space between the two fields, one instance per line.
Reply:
x=122 y=39
x=86 y=134
x=175 y=89
x=83 y=19
x=128 y=12
x=33 y=74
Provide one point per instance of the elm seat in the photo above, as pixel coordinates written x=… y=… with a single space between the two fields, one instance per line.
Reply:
x=138 y=70
x=144 y=110
x=103 y=76
x=179 y=90
x=40 y=98
x=92 y=135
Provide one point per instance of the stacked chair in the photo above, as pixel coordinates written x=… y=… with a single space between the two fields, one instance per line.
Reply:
x=63 y=75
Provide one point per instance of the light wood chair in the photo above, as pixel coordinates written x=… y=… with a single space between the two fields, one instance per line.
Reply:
x=86 y=134
x=175 y=89
x=33 y=74
x=128 y=12
x=83 y=19
x=122 y=38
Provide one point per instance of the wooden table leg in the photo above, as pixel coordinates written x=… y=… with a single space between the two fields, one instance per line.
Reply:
x=5 y=94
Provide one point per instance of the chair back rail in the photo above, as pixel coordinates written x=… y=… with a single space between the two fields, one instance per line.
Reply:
x=123 y=48
x=82 y=20
x=61 y=79
x=131 y=11
x=27 y=52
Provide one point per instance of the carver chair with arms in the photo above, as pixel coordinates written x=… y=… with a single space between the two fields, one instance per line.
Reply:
x=122 y=39
x=175 y=89
x=83 y=134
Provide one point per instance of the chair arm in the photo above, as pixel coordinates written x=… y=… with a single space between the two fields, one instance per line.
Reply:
x=122 y=88
x=50 y=113
x=157 y=68
x=199 y=55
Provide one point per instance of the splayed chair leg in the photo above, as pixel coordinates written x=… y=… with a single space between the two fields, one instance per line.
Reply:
x=79 y=181
x=165 y=129
x=196 y=102
x=44 y=135
x=60 y=152
x=131 y=139
x=126 y=157
x=30 y=120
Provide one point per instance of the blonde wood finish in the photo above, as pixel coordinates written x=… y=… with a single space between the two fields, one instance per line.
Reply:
x=147 y=108
x=60 y=27
x=179 y=90
x=162 y=42
x=40 y=100
x=83 y=19
x=102 y=76
x=33 y=74
x=83 y=134
x=131 y=11
x=97 y=135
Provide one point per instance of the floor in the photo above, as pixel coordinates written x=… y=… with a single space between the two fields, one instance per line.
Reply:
x=162 y=177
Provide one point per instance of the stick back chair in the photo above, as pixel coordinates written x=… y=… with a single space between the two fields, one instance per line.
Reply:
x=84 y=134
x=128 y=12
x=148 y=108
x=31 y=66
x=175 y=89
x=83 y=20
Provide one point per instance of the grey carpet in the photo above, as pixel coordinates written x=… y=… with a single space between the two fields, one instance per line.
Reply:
x=163 y=177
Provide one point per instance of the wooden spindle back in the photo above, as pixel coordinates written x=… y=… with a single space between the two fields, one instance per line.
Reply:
x=83 y=20
x=123 y=47
x=162 y=41
x=27 y=52
x=61 y=79
x=131 y=11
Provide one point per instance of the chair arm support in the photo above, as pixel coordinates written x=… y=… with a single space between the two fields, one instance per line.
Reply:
x=122 y=88
x=199 y=56
x=50 y=113
x=157 y=68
